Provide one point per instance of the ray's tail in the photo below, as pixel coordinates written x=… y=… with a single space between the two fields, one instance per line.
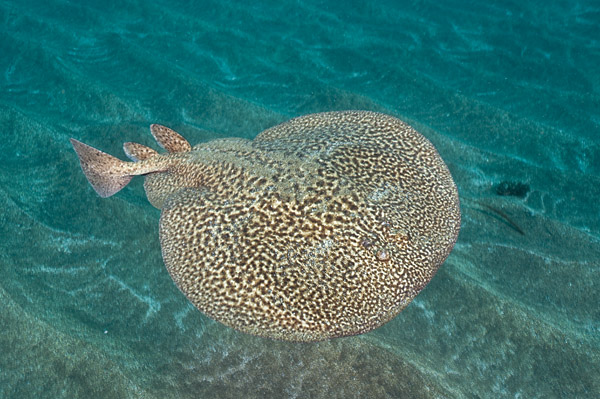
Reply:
x=106 y=174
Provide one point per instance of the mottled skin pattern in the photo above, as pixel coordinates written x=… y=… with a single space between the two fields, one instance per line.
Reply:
x=324 y=226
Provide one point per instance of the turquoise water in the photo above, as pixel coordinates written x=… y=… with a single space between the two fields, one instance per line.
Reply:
x=508 y=92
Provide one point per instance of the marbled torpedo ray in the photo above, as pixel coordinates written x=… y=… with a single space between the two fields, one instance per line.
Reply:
x=324 y=226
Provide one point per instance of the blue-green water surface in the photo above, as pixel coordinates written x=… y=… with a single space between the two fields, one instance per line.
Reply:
x=509 y=92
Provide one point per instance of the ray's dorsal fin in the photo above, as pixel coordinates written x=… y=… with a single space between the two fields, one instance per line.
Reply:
x=169 y=139
x=138 y=152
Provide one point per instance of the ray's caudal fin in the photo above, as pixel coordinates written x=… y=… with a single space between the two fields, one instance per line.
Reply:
x=106 y=174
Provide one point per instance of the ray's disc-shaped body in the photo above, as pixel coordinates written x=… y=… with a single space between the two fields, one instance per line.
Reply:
x=324 y=226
